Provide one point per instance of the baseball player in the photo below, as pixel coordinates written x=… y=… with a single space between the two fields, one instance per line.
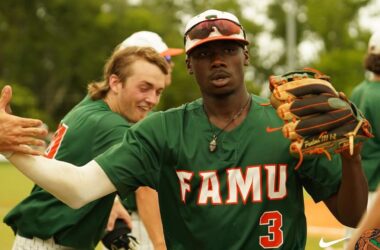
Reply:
x=366 y=96
x=147 y=198
x=134 y=79
x=223 y=182
x=16 y=130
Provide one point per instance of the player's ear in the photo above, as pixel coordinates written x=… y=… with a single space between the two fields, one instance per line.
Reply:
x=114 y=83
x=246 y=56
x=188 y=66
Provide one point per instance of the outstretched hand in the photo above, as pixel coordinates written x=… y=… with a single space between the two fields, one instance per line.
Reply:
x=17 y=132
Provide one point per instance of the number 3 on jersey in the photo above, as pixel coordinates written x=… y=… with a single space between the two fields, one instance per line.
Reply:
x=275 y=238
x=55 y=143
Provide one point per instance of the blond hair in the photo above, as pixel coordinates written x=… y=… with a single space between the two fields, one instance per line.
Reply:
x=119 y=64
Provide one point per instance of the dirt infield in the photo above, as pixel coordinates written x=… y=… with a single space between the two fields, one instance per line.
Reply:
x=320 y=221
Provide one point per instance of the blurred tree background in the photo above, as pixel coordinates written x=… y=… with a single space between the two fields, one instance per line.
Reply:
x=51 y=49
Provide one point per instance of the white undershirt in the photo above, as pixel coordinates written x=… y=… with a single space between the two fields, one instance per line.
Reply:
x=75 y=186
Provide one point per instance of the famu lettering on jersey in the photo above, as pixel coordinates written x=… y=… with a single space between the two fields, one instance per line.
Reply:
x=244 y=187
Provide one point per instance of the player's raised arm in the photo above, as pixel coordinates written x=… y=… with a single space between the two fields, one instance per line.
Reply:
x=349 y=204
x=75 y=186
x=16 y=131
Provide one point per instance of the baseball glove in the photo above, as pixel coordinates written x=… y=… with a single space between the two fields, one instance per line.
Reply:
x=370 y=240
x=120 y=238
x=318 y=119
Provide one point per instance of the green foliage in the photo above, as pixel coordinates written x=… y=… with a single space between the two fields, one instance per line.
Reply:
x=24 y=103
x=334 y=21
x=54 y=48
x=344 y=77
x=47 y=49
x=334 y=24
x=344 y=40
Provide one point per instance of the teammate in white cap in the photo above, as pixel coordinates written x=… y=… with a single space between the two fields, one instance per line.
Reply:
x=134 y=79
x=144 y=208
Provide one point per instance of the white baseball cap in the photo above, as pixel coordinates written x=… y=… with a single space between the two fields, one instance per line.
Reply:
x=225 y=31
x=374 y=44
x=150 y=39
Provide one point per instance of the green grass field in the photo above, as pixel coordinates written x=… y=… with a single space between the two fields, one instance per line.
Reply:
x=14 y=187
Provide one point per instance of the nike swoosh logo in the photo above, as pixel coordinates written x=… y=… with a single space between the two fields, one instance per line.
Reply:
x=324 y=244
x=270 y=130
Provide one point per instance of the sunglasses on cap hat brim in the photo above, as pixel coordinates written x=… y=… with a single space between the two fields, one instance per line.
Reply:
x=203 y=29
x=241 y=42
x=228 y=30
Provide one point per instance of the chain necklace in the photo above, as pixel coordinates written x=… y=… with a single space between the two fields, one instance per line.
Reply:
x=213 y=142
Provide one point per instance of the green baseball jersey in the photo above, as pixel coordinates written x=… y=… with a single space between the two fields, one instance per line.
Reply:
x=86 y=131
x=366 y=96
x=245 y=195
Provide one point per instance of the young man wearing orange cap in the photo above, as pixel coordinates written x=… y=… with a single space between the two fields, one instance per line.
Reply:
x=222 y=182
